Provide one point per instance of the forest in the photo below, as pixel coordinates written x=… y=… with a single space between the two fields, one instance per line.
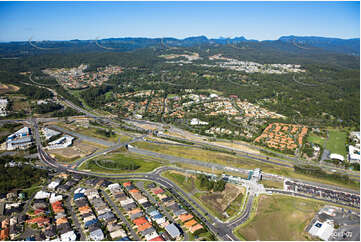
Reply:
x=18 y=177
x=327 y=94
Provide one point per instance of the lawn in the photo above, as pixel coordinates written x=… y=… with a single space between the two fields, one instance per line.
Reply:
x=280 y=217
x=316 y=139
x=135 y=163
x=337 y=141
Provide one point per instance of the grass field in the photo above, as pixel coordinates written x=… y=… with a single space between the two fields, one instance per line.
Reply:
x=63 y=159
x=145 y=164
x=272 y=184
x=316 y=139
x=234 y=161
x=280 y=218
x=93 y=132
x=337 y=142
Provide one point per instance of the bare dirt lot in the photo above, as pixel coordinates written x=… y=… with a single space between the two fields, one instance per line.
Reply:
x=238 y=146
x=79 y=149
x=8 y=88
x=221 y=200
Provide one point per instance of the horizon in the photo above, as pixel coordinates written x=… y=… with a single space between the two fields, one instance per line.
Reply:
x=209 y=38
x=102 y=20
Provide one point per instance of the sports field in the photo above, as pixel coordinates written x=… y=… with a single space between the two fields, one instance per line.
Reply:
x=337 y=141
x=280 y=217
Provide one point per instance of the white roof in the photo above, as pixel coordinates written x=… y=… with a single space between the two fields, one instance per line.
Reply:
x=322 y=230
x=68 y=236
x=354 y=153
x=97 y=235
x=79 y=190
x=172 y=230
x=117 y=234
x=42 y=195
x=25 y=130
x=114 y=185
x=337 y=157
x=54 y=198
x=50 y=132
x=53 y=184
x=213 y=95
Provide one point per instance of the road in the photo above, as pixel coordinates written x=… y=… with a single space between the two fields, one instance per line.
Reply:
x=120 y=215
x=82 y=137
x=74 y=217
x=79 y=162
x=261 y=158
x=222 y=230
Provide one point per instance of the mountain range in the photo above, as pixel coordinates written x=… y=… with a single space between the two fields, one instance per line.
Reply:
x=19 y=48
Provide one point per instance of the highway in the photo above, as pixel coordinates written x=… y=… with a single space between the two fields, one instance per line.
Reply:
x=222 y=230
x=290 y=162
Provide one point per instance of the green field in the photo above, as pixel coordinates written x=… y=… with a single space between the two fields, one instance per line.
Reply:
x=316 y=139
x=272 y=184
x=337 y=141
x=122 y=161
x=234 y=161
x=280 y=217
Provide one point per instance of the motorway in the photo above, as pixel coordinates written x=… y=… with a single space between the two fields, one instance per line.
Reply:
x=290 y=162
x=222 y=230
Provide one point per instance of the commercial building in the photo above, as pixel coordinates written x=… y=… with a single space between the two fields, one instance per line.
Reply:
x=21 y=139
x=48 y=133
x=60 y=143
x=322 y=230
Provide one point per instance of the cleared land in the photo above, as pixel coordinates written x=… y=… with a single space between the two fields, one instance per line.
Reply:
x=5 y=88
x=234 y=207
x=215 y=202
x=337 y=142
x=280 y=218
x=238 y=146
x=78 y=150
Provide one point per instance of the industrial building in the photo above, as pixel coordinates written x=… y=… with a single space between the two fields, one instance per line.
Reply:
x=21 y=139
x=60 y=143
x=48 y=133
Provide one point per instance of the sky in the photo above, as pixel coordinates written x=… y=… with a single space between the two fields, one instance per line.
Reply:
x=21 y=21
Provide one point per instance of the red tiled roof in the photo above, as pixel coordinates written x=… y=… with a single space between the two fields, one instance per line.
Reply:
x=140 y=221
x=159 y=238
